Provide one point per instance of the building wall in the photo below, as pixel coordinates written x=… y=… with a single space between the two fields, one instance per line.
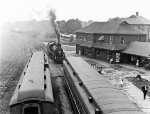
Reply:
x=116 y=39
x=102 y=55
x=107 y=54
x=144 y=28
x=85 y=36
x=128 y=38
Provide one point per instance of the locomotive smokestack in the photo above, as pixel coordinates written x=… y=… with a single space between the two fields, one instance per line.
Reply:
x=54 y=24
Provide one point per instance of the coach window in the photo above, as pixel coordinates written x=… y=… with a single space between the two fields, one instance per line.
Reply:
x=122 y=40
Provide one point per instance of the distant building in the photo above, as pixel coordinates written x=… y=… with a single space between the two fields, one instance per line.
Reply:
x=140 y=23
x=106 y=40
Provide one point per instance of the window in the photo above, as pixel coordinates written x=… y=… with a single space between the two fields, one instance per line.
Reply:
x=117 y=57
x=98 y=52
x=89 y=38
x=122 y=40
x=101 y=38
x=139 y=38
x=111 y=39
x=139 y=27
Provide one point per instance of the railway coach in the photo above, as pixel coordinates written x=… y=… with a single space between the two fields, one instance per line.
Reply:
x=33 y=94
x=90 y=93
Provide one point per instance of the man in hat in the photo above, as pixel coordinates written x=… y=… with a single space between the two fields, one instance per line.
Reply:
x=145 y=90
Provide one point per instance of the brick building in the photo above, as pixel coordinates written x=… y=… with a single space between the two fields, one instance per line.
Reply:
x=106 y=40
x=140 y=23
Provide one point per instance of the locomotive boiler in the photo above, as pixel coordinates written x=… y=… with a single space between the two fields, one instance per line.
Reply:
x=55 y=52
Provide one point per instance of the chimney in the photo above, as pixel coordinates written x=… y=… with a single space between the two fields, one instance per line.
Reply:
x=137 y=13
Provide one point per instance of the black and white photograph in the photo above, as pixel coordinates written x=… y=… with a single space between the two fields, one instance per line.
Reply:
x=74 y=57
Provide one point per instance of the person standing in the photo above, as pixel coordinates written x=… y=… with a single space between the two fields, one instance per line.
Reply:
x=145 y=90
x=137 y=63
x=99 y=69
x=111 y=60
x=138 y=77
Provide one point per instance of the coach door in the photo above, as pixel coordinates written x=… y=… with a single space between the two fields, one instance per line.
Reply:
x=31 y=108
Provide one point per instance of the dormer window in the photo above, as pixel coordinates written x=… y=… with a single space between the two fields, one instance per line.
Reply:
x=101 y=38
x=111 y=39
x=122 y=40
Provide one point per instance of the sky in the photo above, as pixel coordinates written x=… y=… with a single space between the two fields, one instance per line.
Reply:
x=96 y=10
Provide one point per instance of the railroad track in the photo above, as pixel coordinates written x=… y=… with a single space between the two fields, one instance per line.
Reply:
x=12 y=70
x=3 y=69
x=75 y=99
x=9 y=72
x=6 y=69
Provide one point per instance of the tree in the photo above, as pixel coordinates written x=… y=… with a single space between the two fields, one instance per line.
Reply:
x=62 y=26
x=73 y=25
x=70 y=26
x=114 y=19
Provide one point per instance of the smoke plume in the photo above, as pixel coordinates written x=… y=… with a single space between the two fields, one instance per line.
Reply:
x=52 y=17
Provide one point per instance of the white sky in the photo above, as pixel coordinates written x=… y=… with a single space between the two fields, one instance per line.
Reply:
x=97 y=10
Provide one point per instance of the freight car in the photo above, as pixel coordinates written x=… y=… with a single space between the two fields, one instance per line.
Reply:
x=55 y=52
x=90 y=93
x=33 y=94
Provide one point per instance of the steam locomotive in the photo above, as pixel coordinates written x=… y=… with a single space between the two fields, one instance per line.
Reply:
x=55 y=52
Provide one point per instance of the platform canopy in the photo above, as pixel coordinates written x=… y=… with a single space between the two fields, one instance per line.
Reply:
x=138 y=48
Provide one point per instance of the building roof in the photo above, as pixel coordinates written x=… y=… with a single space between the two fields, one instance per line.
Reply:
x=108 y=46
x=87 y=44
x=138 y=48
x=118 y=27
x=78 y=41
x=134 y=19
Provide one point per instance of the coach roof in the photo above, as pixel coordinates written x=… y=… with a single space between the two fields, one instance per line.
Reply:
x=107 y=97
x=32 y=83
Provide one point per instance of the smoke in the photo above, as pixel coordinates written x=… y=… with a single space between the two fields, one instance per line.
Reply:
x=52 y=17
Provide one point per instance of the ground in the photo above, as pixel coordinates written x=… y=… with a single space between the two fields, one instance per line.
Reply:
x=20 y=48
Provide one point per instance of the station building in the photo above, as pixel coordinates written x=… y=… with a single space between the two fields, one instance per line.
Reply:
x=106 y=40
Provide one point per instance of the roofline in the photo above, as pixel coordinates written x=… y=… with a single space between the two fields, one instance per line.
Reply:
x=41 y=100
x=135 y=54
x=139 y=24
x=112 y=33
